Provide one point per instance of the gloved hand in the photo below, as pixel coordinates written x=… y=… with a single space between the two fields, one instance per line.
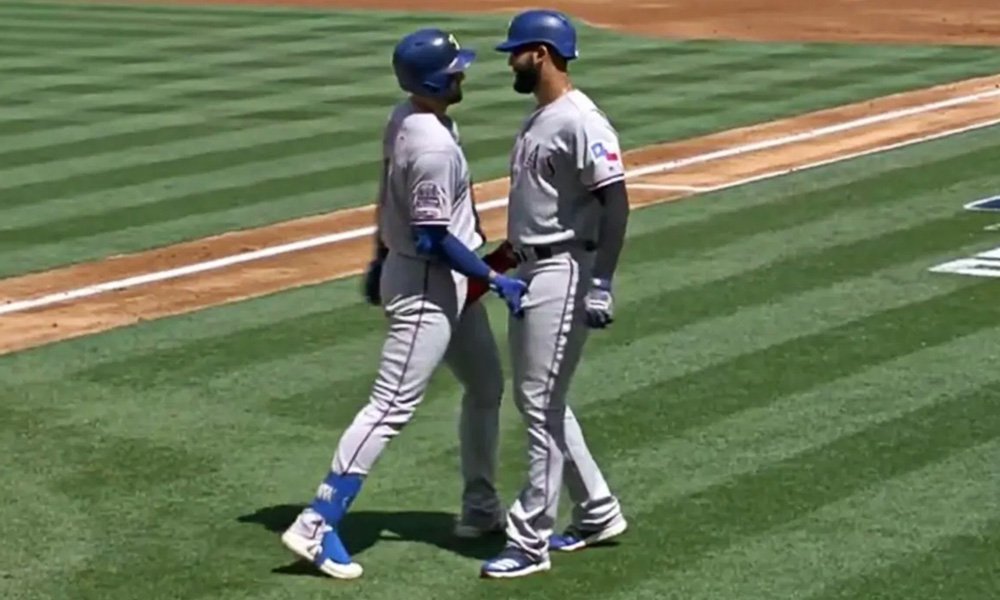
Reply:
x=501 y=260
x=371 y=288
x=599 y=304
x=511 y=289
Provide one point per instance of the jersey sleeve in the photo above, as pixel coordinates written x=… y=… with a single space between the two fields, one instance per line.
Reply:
x=598 y=152
x=432 y=188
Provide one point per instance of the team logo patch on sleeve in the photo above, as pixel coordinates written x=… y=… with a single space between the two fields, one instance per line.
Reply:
x=602 y=152
x=429 y=202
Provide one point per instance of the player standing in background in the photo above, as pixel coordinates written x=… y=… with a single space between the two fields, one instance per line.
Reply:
x=567 y=217
x=427 y=233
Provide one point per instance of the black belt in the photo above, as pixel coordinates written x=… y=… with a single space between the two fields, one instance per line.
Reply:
x=545 y=251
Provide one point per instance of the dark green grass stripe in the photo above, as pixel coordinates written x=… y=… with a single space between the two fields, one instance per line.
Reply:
x=189 y=165
x=240 y=194
x=697 y=399
x=22 y=126
x=683 y=530
x=111 y=29
x=114 y=142
x=113 y=178
x=191 y=22
x=55 y=34
x=797 y=274
x=50 y=45
x=39 y=69
x=960 y=566
x=688 y=305
x=295 y=336
x=158 y=10
x=887 y=187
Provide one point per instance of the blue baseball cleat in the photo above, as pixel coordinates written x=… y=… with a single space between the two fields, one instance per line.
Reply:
x=513 y=562
x=574 y=538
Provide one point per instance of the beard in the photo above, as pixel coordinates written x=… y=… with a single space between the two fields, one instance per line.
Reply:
x=526 y=79
x=454 y=95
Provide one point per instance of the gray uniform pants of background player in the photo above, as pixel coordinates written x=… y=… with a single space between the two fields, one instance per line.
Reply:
x=546 y=345
x=422 y=301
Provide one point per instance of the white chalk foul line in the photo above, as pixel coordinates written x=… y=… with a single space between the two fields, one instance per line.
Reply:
x=814 y=133
x=853 y=155
x=668 y=187
x=228 y=261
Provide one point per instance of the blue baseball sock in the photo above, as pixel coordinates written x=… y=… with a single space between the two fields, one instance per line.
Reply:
x=335 y=495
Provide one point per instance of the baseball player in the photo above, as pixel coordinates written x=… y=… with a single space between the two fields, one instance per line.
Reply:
x=567 y=218
x=428 y=230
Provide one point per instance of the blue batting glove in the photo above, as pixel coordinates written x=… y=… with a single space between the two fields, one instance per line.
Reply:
x=511 y=289
x=599 y=304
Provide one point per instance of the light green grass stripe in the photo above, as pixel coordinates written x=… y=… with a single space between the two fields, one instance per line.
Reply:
x=59 y=361
x=237 y=34
x=903 y=516
x=65 y=27
x=609 y=370
x=238 y=85
x=481 y=89
x=244 y=79
x=81 y=12
x=154 y=10
x=639 y=282
x=742 y=443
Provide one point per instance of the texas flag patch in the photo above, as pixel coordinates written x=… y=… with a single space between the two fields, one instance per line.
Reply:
x=600 y=151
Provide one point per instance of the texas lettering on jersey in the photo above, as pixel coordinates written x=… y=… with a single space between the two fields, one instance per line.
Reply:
x=565 y=150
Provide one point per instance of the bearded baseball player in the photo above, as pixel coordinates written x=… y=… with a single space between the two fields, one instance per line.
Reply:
x=428 y=230
x=567 y=218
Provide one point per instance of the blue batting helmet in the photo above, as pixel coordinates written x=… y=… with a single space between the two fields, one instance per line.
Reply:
x=541 y=26
x=426 y=60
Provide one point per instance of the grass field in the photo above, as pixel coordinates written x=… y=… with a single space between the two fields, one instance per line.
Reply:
x=790 y=405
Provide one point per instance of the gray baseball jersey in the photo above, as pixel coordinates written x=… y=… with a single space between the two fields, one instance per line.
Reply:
x=425 y=180
x=564 y=150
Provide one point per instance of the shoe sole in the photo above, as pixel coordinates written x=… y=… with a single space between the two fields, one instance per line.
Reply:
x=603 y=535
x=545 y=566
x=300 y=547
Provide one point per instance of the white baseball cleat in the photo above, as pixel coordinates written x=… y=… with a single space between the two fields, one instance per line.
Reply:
x=315 y=541
x=574 y=538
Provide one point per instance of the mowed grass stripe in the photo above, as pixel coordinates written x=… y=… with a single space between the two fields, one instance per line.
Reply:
x=904 y=517
x=158 y=10
x=227 y=90
x=65 y=141
x=805 y=246
x=83 y=13
x=734 y=235
x=694 y=527
x=960 y=565
x=71 y=27
x=307 y=172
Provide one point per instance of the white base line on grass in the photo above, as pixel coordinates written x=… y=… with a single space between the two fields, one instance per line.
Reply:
x=228 y=261
x=667 y=187
x=814 y=133
x=853 y=155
